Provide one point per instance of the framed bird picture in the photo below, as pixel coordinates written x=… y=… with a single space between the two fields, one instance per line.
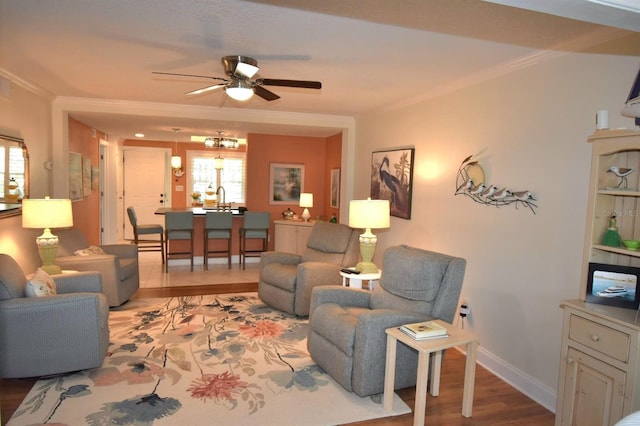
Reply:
x=392 y=179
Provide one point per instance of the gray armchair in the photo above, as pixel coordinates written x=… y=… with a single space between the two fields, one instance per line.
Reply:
x=118 y=267
x=347 y=326
x=41 y=336
x=286 y=279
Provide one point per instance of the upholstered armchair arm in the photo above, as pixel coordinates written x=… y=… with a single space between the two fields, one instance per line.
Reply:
x=106 y=264
x=370 y=341
x=268 y=257
x=77 y=282
x=310 y=275
x=121 y=250
x=343 y=296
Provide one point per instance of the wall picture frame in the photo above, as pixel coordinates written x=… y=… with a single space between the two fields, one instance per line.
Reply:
x=75 y=176
x=86 y=177
x=335 y=188
x=286 y=183
x=613 y=285
x=392 y=179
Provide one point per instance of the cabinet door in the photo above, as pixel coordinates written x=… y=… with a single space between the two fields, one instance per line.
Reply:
x=303 y=236
x=285 y=238
x=593 y=391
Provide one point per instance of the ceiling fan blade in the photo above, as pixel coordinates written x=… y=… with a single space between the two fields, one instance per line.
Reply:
x=189 y=75
x=291 y=83
x=245 y=70
x=205 y=89
x=265 y=94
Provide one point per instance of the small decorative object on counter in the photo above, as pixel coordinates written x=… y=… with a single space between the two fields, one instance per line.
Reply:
x=611 y=236
x=333 y=219
x=288 y=214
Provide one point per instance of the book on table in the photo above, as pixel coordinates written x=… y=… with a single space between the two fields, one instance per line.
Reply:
x=424 y=330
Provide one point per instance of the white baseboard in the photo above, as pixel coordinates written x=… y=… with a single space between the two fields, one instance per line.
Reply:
x=524 y=383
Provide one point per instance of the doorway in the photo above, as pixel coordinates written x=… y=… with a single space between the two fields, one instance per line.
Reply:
x=147 y=185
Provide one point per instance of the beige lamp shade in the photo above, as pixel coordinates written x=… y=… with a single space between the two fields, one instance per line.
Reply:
x=369 y=214
x=306 y=199
x=46 y=213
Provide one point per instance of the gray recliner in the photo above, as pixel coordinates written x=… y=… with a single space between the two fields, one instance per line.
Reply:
x=119 y=266
x=347 y=326
x=286 y=279
x=41 y=336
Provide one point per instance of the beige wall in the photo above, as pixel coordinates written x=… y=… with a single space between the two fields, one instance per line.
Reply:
x=529 y=130
x=28 y=116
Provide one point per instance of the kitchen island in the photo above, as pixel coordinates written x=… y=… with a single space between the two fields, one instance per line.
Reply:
x=199 y=214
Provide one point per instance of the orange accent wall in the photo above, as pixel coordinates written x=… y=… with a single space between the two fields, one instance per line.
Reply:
x=318 y=155
x=86 y=212
x=333 y=160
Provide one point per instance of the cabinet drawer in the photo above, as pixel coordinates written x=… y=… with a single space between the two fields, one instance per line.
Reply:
x=603 y=339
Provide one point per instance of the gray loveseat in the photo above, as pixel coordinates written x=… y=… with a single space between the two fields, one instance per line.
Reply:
x=347 y=326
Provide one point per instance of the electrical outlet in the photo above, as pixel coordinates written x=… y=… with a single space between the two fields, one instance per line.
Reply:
x=465 y=307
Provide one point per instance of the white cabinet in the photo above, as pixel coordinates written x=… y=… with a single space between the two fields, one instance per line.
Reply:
x=599 y=380
x=292 y=235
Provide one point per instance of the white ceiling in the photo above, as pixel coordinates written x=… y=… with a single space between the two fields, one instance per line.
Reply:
x=369 y=54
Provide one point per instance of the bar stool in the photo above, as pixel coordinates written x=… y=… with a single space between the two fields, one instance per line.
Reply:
x=178 y=226
x=255 y=226
x=217 y=226
x=149 y=229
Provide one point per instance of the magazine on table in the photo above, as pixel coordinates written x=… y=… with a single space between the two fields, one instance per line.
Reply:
x=424 y=330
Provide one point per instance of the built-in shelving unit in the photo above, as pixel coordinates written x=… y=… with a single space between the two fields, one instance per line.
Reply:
x=599 y=380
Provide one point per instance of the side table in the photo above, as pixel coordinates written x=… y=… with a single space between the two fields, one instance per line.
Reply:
x=355 y=280
x=456 y=337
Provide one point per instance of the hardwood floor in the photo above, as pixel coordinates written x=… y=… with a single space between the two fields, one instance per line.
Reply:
x=495 y=402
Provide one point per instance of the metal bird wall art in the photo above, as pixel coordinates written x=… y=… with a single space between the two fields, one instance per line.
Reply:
x=487 y=194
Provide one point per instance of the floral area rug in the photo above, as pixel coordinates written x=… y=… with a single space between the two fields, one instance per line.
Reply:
x=200 y=360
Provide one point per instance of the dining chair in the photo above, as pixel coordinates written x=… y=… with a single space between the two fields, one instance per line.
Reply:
x=146 y=229
x=217 y=226
x=255 y=226
x=178 y=226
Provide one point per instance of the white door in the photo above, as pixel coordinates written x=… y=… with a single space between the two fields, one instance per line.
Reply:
x=146 y=185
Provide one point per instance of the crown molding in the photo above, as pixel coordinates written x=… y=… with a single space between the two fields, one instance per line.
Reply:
x=27 y=85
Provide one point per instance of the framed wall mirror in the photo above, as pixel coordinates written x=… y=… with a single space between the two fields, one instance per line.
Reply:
x=14 y=174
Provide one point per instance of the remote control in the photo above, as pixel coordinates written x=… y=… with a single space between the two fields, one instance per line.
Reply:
x=350 y=271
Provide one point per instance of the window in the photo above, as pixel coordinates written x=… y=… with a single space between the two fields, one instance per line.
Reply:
x=13 y=162
x=203 y=173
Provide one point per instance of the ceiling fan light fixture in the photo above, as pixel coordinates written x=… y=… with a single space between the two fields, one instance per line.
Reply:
x=239 y=90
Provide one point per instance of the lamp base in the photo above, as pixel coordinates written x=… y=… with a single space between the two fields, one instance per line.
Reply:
x=306 y=215
x=367 y=268
x=47 y=247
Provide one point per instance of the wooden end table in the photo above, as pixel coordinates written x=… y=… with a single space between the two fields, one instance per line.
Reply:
x=456 y=337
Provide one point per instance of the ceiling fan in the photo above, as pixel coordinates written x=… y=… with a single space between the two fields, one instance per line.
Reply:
x=240 y=84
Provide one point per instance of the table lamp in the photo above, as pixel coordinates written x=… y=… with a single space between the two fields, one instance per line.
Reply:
x=47 y=213
x=368 y=214
x=306 y=200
